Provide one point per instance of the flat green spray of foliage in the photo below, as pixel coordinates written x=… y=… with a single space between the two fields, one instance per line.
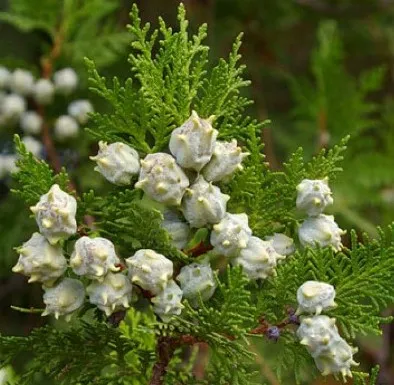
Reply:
x=170 y=76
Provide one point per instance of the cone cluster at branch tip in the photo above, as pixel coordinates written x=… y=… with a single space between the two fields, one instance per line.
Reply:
x=318 y=229
x=319 y=334
x=185 y=181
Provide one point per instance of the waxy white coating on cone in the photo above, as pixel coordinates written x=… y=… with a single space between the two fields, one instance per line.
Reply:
x=112 y=294
x=40 y=260
x=150 y=270
x=55 y=214
x=117 y=162
x=94 y=257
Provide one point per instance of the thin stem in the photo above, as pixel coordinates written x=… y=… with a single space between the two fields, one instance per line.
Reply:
x=47 y=63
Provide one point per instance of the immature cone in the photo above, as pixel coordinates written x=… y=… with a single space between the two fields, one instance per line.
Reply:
x=282 y=244
x=162 y=179
x=258 y=259
x=314 y=297
x=94 y=257
x=317 y=333
x=7 y=165
x=64 y=298
x=33 y=145
x=66 y=81
x=192 y=143
x=197 y=280
x=168 y=302
x=178 y=230
x=203 y=203
x=5 y=77
x=231 y=235
x=150 y=270
x=226 y=159
x=79 y=110
x=337 y=360
x=112 y=294
x=117 y=162
x=55 y=214
x=66 y=127
x=40 y=261
x=12 y=107
x=322 y=231
x=313 y=196
x=31 y=122
x=21 y=82
x=43 y=91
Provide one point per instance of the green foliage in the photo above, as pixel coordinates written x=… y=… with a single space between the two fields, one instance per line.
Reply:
x=81 y=27
x=268 y=197
x=90 y=30
x=34 y=176
x=28 y=15
x=130 y=223
x=360 y=275
x=223 y=322
x=169 y=78
x=228 y=313
x=166 y=84
x=86 y=353
x=336 y=100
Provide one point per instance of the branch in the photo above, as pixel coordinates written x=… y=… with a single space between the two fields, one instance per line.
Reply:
x=166 y=347
x=46 y=72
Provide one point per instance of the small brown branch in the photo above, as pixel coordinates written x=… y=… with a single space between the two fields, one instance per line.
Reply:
x=166 y=347
x=46 y=72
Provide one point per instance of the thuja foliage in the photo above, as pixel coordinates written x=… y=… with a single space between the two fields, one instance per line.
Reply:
x=170 y=77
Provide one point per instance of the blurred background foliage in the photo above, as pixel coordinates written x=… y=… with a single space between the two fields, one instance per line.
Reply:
x=320 y=69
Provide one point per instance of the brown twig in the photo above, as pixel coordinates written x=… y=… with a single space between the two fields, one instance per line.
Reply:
x=166 y=347
x=46 y=72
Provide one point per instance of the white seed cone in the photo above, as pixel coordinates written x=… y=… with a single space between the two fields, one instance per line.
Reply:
x=313 y=196
x=322 y=231
x=162 y=179
x=94 y=257
x=55 y=214
x=231 y=234
x=204 y=203
x=150 y=270
x=112 y=294
x=314 y=297
x=117 y=162
x=193 y=142
x=168 y=302
x=197 y=280
x=40 y=260
x=258 y=259
x=64 y=298
x=226 y=159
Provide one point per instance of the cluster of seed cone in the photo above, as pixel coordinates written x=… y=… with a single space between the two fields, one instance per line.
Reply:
x=319 y=334
x=183 y=182
x=318 y=229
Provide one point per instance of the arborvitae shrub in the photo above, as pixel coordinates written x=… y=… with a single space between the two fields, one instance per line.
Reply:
x=130 y=324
